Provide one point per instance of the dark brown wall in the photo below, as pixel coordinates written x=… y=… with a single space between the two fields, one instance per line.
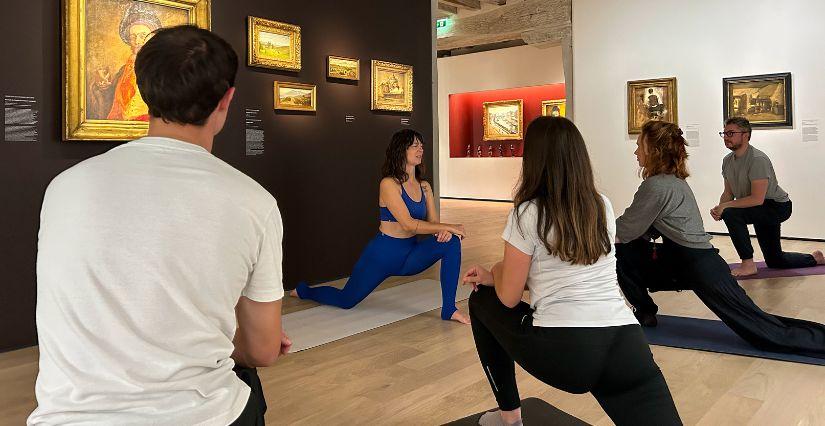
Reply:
x=323 y=171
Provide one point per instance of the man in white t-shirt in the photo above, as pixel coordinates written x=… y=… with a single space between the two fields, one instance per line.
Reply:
x=159 y=265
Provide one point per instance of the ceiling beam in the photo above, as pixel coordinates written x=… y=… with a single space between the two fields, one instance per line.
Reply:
x=447 y=8
x=466 y=4
x=533 y=21
x=496 y=2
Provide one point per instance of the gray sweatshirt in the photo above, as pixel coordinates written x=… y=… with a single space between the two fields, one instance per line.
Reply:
x=664 y=205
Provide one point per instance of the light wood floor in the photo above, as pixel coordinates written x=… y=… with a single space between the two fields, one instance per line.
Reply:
x=425 y=371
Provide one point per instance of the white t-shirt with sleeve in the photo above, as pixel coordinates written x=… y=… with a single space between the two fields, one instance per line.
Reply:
x=563 y=294
x=143 y=253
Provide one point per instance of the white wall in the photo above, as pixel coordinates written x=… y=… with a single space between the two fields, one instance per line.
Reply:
x=699 y=42
x=487 y=178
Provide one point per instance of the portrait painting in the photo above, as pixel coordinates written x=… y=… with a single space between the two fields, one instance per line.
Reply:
x=503 y=120
x=651 y=100
x=554 y=107
x=273 y=44
x=765 y=100
x=392 y=86
x=294 y=96
x=343 y=68
x=101 y=41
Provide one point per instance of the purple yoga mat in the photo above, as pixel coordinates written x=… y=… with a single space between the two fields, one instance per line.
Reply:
x=765 y=272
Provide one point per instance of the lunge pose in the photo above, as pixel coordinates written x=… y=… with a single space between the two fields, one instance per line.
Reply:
x=664 y=206
x=577 y=334
x=752 y=195
x=406 y=210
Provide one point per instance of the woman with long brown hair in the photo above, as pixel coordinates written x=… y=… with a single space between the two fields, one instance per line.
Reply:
x=406 y=207
x=577 y=334
x=664 y=206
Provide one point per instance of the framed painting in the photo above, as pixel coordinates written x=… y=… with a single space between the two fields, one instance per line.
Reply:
x=503 y=120
x=343 y=68
x=101 y=39
x=554 y=107
x=294 y=96
x=392 y=86
x=651 y=100
x=765 y=100
x=273 y=44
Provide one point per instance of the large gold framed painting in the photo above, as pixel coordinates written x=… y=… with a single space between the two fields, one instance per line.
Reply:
x=651 y=100
x=274 y=44
x=765 y=100
x=101 y=39
x=503 y=120
x=392 y=86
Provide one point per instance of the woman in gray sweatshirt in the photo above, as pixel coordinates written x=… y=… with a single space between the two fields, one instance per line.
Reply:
x=664 y=206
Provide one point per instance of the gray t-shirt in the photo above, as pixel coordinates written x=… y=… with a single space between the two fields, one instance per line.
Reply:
x=664 y=205
x=754 y=165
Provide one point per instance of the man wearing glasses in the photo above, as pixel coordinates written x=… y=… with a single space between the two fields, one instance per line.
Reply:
x=753 y=196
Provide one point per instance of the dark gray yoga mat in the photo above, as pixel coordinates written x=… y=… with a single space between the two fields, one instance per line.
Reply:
x=764 y=272
x=711 y=336
x=534 y=411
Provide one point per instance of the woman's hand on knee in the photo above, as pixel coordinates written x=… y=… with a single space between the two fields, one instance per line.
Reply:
x=477 y=275
x=443 y=236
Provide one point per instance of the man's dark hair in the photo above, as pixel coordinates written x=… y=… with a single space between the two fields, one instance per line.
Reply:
x=740 y=122
x=183 y=72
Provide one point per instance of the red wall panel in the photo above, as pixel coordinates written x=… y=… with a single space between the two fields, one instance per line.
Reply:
x=466 y=117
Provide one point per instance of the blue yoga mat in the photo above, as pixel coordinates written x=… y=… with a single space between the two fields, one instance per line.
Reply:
x=711 y=336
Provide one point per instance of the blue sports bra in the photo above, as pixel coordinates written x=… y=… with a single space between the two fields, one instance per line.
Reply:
x=417 y=209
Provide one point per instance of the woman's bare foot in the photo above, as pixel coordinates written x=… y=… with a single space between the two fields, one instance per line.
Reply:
x=294 y=293
x=748 y=267
x=459 y=316
x=820 y=258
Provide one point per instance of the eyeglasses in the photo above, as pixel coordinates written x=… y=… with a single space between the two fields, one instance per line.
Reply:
x=729 y=133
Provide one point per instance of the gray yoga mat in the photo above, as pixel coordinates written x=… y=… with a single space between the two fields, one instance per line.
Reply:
x=534 y=411
x=711 y=336
x=323 y=324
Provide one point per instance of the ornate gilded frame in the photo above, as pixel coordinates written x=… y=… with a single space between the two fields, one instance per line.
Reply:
x=276 y=89
x=407 y=70
x=546 y=106
x=486 y=123
x=672 y=103
x=356 y=63
x=76 y=127
x=255 y=26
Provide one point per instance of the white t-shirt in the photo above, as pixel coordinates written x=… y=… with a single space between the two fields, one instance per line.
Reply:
x=143 y=254
x=563 y=294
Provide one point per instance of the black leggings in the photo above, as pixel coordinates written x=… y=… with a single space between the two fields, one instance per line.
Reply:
x=675 y=267
x=766 y=220
x=613 y=363
x=253 y=413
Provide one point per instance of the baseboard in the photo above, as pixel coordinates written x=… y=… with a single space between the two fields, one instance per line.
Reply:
x=477 y=199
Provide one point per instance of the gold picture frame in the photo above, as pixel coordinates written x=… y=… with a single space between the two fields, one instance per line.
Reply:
x=273 y=44
x=343 y=68
x=100 y=100
x=654 y=99
x=294 y=96
x=554 y=108
x=392 y=86
x=503 y=120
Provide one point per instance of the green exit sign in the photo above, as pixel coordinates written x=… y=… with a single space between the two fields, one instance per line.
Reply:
x=441 y=23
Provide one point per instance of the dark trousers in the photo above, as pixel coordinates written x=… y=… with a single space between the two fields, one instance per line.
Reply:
x=253 y=413
x=766 y=220
x=613 y=363
x=702 y=270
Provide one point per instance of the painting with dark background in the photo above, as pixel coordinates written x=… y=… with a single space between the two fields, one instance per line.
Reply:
x=323 y=170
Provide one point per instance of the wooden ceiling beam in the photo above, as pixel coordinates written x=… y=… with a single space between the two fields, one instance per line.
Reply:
x=447 y=8
x=465 y=4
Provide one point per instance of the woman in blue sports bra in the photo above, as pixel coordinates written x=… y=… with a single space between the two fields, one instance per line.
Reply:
x=406 y=209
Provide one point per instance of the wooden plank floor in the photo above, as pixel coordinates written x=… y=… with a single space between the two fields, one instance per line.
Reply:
x=425 y=371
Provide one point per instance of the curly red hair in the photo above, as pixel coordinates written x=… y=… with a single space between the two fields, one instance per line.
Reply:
x=665 y=151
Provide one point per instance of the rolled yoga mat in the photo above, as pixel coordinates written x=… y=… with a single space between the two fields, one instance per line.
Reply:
x=324 y=324
x=711 y=336
x=764 y=272
x=534 y=411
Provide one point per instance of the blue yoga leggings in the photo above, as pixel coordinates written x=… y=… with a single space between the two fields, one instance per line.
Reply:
x=385 y=257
